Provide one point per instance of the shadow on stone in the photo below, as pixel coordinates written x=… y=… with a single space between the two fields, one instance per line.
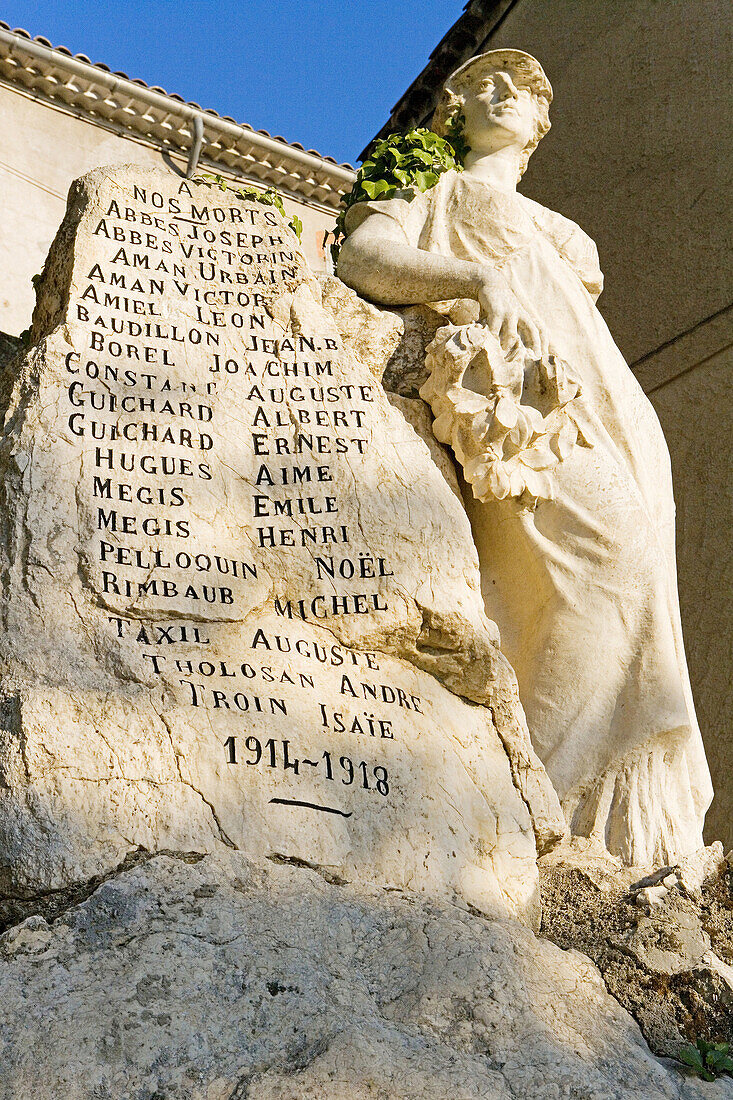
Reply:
x=229 y=978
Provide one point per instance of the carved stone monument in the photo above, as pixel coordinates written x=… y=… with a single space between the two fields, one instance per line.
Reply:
x=241 y=599
x=270 y=812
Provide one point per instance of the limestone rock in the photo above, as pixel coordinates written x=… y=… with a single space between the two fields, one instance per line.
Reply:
x=669 y=964
x=401 y=377
x=391 y=342
x=223 y=978
x=241 y=602
x=417 y=413
x=9 y=348
x=406 y=370
x=695 y=870
x=371 y=334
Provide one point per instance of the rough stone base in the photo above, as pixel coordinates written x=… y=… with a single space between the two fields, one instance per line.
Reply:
x=665 y=951
x=216 y=978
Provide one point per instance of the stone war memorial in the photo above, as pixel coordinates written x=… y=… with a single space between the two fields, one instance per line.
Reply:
x=347 y=747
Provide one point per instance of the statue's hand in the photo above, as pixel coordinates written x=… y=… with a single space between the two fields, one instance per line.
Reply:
x=503 y=313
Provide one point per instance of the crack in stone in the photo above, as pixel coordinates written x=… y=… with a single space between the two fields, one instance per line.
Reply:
x=52 y=904
x=295 y=861
x=223 y=836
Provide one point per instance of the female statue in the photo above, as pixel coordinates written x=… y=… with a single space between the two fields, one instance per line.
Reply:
x=569 y=484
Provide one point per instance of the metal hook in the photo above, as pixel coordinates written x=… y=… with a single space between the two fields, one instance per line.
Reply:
x=197 y=132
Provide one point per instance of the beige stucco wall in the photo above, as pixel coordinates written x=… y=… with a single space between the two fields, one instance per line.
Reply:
x=695 y=414
x=637 y=152
x=639 y=156
x=43 y=149
x=695 y=410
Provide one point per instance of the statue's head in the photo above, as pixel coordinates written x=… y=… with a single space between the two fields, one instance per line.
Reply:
x=502 y=98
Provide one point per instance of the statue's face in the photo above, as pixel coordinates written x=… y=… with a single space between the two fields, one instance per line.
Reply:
x=499 y=113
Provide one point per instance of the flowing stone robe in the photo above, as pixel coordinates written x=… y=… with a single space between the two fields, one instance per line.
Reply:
x=583 y=587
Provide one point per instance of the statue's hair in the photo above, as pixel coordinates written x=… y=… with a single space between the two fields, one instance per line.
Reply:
x=450 y=105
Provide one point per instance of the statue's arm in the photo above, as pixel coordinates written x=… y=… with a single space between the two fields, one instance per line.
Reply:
x=377 y=262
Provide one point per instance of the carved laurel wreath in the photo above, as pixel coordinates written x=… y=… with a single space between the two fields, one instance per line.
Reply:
x=506 y=448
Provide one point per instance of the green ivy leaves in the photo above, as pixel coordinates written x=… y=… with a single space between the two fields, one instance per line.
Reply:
x=268 y=197
x=406 y=162
x=707 y=1060
x=455 y=135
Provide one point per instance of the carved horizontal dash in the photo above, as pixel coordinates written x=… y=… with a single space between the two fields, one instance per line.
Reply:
x=309 y=805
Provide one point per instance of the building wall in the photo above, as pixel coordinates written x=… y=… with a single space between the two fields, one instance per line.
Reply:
x=44 y=148
x=637 y=151
x=694 y=409
x=637 y=156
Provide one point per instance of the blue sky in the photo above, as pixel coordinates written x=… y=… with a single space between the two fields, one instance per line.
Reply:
x=322 y=72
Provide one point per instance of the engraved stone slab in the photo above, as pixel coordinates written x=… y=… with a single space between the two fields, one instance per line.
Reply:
x=236 y=587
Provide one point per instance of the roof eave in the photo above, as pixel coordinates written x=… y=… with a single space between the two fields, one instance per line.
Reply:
x=167 y=120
